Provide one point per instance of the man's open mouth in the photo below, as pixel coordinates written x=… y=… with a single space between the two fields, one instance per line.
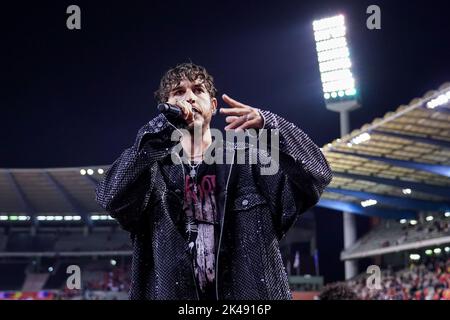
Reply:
x=196 y=110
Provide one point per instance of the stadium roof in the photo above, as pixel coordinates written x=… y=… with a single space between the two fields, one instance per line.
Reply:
x=58 y=191
x=402 y=161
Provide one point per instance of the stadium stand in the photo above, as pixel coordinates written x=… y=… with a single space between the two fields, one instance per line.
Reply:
x=3 y=240
x=34 y=281
x=424 y=281
x=393 y=235
x=16 y=275
x=95 y=241
x=57 y=278
x=67 y=239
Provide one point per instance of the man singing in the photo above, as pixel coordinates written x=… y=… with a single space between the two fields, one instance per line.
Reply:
x=203 y=230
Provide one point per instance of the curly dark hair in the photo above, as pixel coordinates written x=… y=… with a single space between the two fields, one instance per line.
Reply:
x=337 y=291
x=183 y=71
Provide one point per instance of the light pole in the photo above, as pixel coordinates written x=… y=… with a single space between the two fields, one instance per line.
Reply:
x=340 y=94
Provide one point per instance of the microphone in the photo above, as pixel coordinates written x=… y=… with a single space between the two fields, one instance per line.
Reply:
x=169 y=109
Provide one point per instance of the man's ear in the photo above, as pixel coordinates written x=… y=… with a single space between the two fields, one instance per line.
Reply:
x=214 y=105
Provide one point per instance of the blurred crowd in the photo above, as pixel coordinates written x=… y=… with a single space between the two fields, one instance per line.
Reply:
x=420 y=231
x=427 y=281
x=115 y=281
x=113 y=285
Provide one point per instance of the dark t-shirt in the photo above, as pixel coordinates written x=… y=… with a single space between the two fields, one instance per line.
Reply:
x=201 y=225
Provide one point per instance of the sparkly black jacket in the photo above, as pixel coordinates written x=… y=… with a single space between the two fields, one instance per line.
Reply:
x=144 y=189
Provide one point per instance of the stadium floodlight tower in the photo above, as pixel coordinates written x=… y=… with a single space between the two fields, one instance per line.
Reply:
x=339 y=91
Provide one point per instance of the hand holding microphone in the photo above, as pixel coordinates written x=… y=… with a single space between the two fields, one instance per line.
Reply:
x=181 y=109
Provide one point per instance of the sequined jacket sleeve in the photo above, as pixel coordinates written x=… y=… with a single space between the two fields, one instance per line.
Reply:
x=126 y=187
x=302 y=176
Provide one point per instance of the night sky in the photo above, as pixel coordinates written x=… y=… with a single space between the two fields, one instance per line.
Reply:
x=77 y=98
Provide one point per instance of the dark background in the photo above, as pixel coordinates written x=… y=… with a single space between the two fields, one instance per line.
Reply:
x=77 y=98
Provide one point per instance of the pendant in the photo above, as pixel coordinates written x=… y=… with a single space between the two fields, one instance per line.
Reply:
x=192 y=173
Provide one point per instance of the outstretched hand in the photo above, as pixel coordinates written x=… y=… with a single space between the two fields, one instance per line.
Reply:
x=240 y=116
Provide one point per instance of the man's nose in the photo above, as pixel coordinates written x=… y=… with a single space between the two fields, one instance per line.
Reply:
x=190 y=96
